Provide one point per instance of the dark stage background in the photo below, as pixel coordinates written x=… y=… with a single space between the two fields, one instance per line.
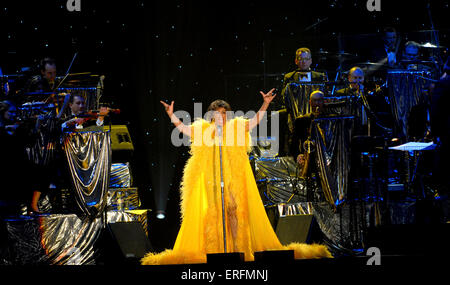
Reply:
x=193 y=51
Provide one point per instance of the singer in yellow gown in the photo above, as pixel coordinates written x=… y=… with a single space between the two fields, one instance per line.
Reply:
x=248 y=229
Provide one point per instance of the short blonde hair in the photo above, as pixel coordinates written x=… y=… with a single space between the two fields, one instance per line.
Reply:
x=301 y=50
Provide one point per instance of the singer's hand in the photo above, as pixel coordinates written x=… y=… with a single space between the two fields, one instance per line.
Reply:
x=168 y=108
x=268 y=97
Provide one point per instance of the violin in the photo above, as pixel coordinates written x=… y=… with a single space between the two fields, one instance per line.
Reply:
x=94 y=114
x=91 y=115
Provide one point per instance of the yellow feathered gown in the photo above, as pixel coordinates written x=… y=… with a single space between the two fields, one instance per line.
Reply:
x=247 y=227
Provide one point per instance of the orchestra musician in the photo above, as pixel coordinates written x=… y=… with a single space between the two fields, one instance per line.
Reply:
x=364 y=102
x=296 y=97
x=356 y=92
x=410 y=57
x=388 y=52
x=303 y=61
x=301 y=146
x=293 y=102
x=440 y=125
x=45 y=81
x=15 y=165
x=78 y=118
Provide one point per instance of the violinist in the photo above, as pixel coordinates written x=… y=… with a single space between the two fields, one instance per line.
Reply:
x=14 y=136
x=45 y=81
x=80 y=119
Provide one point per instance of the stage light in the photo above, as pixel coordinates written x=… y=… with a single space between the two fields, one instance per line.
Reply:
x=160 y=215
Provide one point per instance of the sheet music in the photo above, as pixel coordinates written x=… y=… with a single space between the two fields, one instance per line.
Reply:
x=414 y=146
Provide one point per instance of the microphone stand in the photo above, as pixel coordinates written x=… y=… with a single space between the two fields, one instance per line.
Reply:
x=219 y=130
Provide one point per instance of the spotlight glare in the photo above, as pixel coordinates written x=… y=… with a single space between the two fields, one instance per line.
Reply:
x=160 y=215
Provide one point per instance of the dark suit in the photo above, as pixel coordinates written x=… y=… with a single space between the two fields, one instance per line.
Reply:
x=294 y=76
x=39 y=84
x=302 y=131
x=440 y=125
x=296 y=97
x=379 y=54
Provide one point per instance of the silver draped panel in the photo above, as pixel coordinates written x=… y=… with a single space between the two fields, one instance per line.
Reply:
x=279 y=177
x=406 y=90
x=89 y=160
x=60 y=239
x=297 y=97
x=120 y=175
x=278 y=180
x=43 y=149
x=123 y=198
x=345 y=227
x=332 y=138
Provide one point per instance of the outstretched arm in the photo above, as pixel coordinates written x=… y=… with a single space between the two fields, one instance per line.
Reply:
x=267 y=97
x=178 y=124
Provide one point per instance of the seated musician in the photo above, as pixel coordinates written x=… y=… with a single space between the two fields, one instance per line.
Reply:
x=387 y=51
x=46 y=80
x=297 y=101
x=303 y=61
x=14 y=136
x=440 y=125
x=355 y=89
x=18 y=139
x=355 y=80
x=376 y=108
x=370 y=100
x=410 y=57
x=301 y=146
x=79 y=119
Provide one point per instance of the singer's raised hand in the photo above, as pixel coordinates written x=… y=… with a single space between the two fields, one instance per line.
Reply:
x=168 y=108
x=178 y=124
x=268 y=97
